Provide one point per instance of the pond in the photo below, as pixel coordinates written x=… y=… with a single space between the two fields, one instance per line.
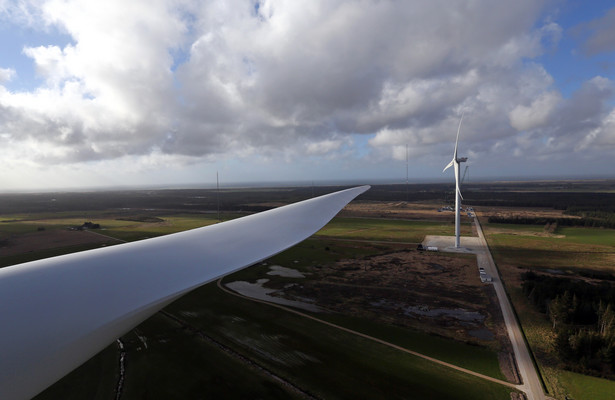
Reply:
x=257 y=291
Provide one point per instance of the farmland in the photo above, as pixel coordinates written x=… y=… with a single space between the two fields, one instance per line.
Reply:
x=362 y=269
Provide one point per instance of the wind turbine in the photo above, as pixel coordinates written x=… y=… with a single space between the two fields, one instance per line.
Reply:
x=455 y=163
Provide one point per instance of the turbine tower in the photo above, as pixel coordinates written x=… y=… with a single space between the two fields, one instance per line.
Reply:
x=455 y=163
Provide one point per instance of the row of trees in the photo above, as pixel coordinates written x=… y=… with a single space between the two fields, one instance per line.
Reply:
x=559 y=200
x=607 y=215
x=583 y=221
x=583 y=318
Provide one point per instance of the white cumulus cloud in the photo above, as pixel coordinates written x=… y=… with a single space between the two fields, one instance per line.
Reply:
x=536 y=114
x=177 y=80
x=6 y=74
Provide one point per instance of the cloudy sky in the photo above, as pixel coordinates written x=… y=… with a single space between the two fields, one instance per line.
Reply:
x=154 y=92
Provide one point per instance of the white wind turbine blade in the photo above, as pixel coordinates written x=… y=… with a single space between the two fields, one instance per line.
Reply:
x=58 y=312
x=454 y=160
x=457 y=140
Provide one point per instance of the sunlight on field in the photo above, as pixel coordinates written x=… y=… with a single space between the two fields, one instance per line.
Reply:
x=583 y=387
x=588 y=248
x=591 y=236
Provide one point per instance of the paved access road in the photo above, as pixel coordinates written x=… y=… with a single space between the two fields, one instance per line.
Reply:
x=531 y=382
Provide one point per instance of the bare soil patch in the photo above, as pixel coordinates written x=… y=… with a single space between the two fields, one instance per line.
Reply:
x=529 y=212
x=518 y=232
x=51 y=239
x=396 y=210
x=430 y=292
x=141 y=218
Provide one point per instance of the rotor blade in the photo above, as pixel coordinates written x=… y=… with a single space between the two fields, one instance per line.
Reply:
x=457 y=140
x=58 y=312
x=449 y=165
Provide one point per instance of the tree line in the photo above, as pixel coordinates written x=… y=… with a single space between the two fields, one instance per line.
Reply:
x=582 y=315
x=588 y=222
x=573 y=201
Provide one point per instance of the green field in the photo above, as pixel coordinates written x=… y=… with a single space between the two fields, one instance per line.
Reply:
x=333 y=363
x=591 y=236
x=6 y=261
x=583 y=387
x=569 y=248
x=475 y=358
x=562 y=235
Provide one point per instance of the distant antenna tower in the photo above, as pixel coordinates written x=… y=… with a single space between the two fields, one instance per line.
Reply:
x=407 y=195
x=218 y=195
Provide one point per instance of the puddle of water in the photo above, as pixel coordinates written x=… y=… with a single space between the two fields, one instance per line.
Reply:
x=383 y=304
x=435 y=266
x=257 y=291
x=555 y=271
x=285 y=272
x=457 y=313
x=483 y=334
x=189 y=314
x=273 y=348
x=464 y=316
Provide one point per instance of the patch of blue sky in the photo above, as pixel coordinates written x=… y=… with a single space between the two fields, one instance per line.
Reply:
x=181 y=53
x=569 y=66
x=361 y=144
x=13 y=40
x=248 y=65
x=256 y=10
x=180 y=56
